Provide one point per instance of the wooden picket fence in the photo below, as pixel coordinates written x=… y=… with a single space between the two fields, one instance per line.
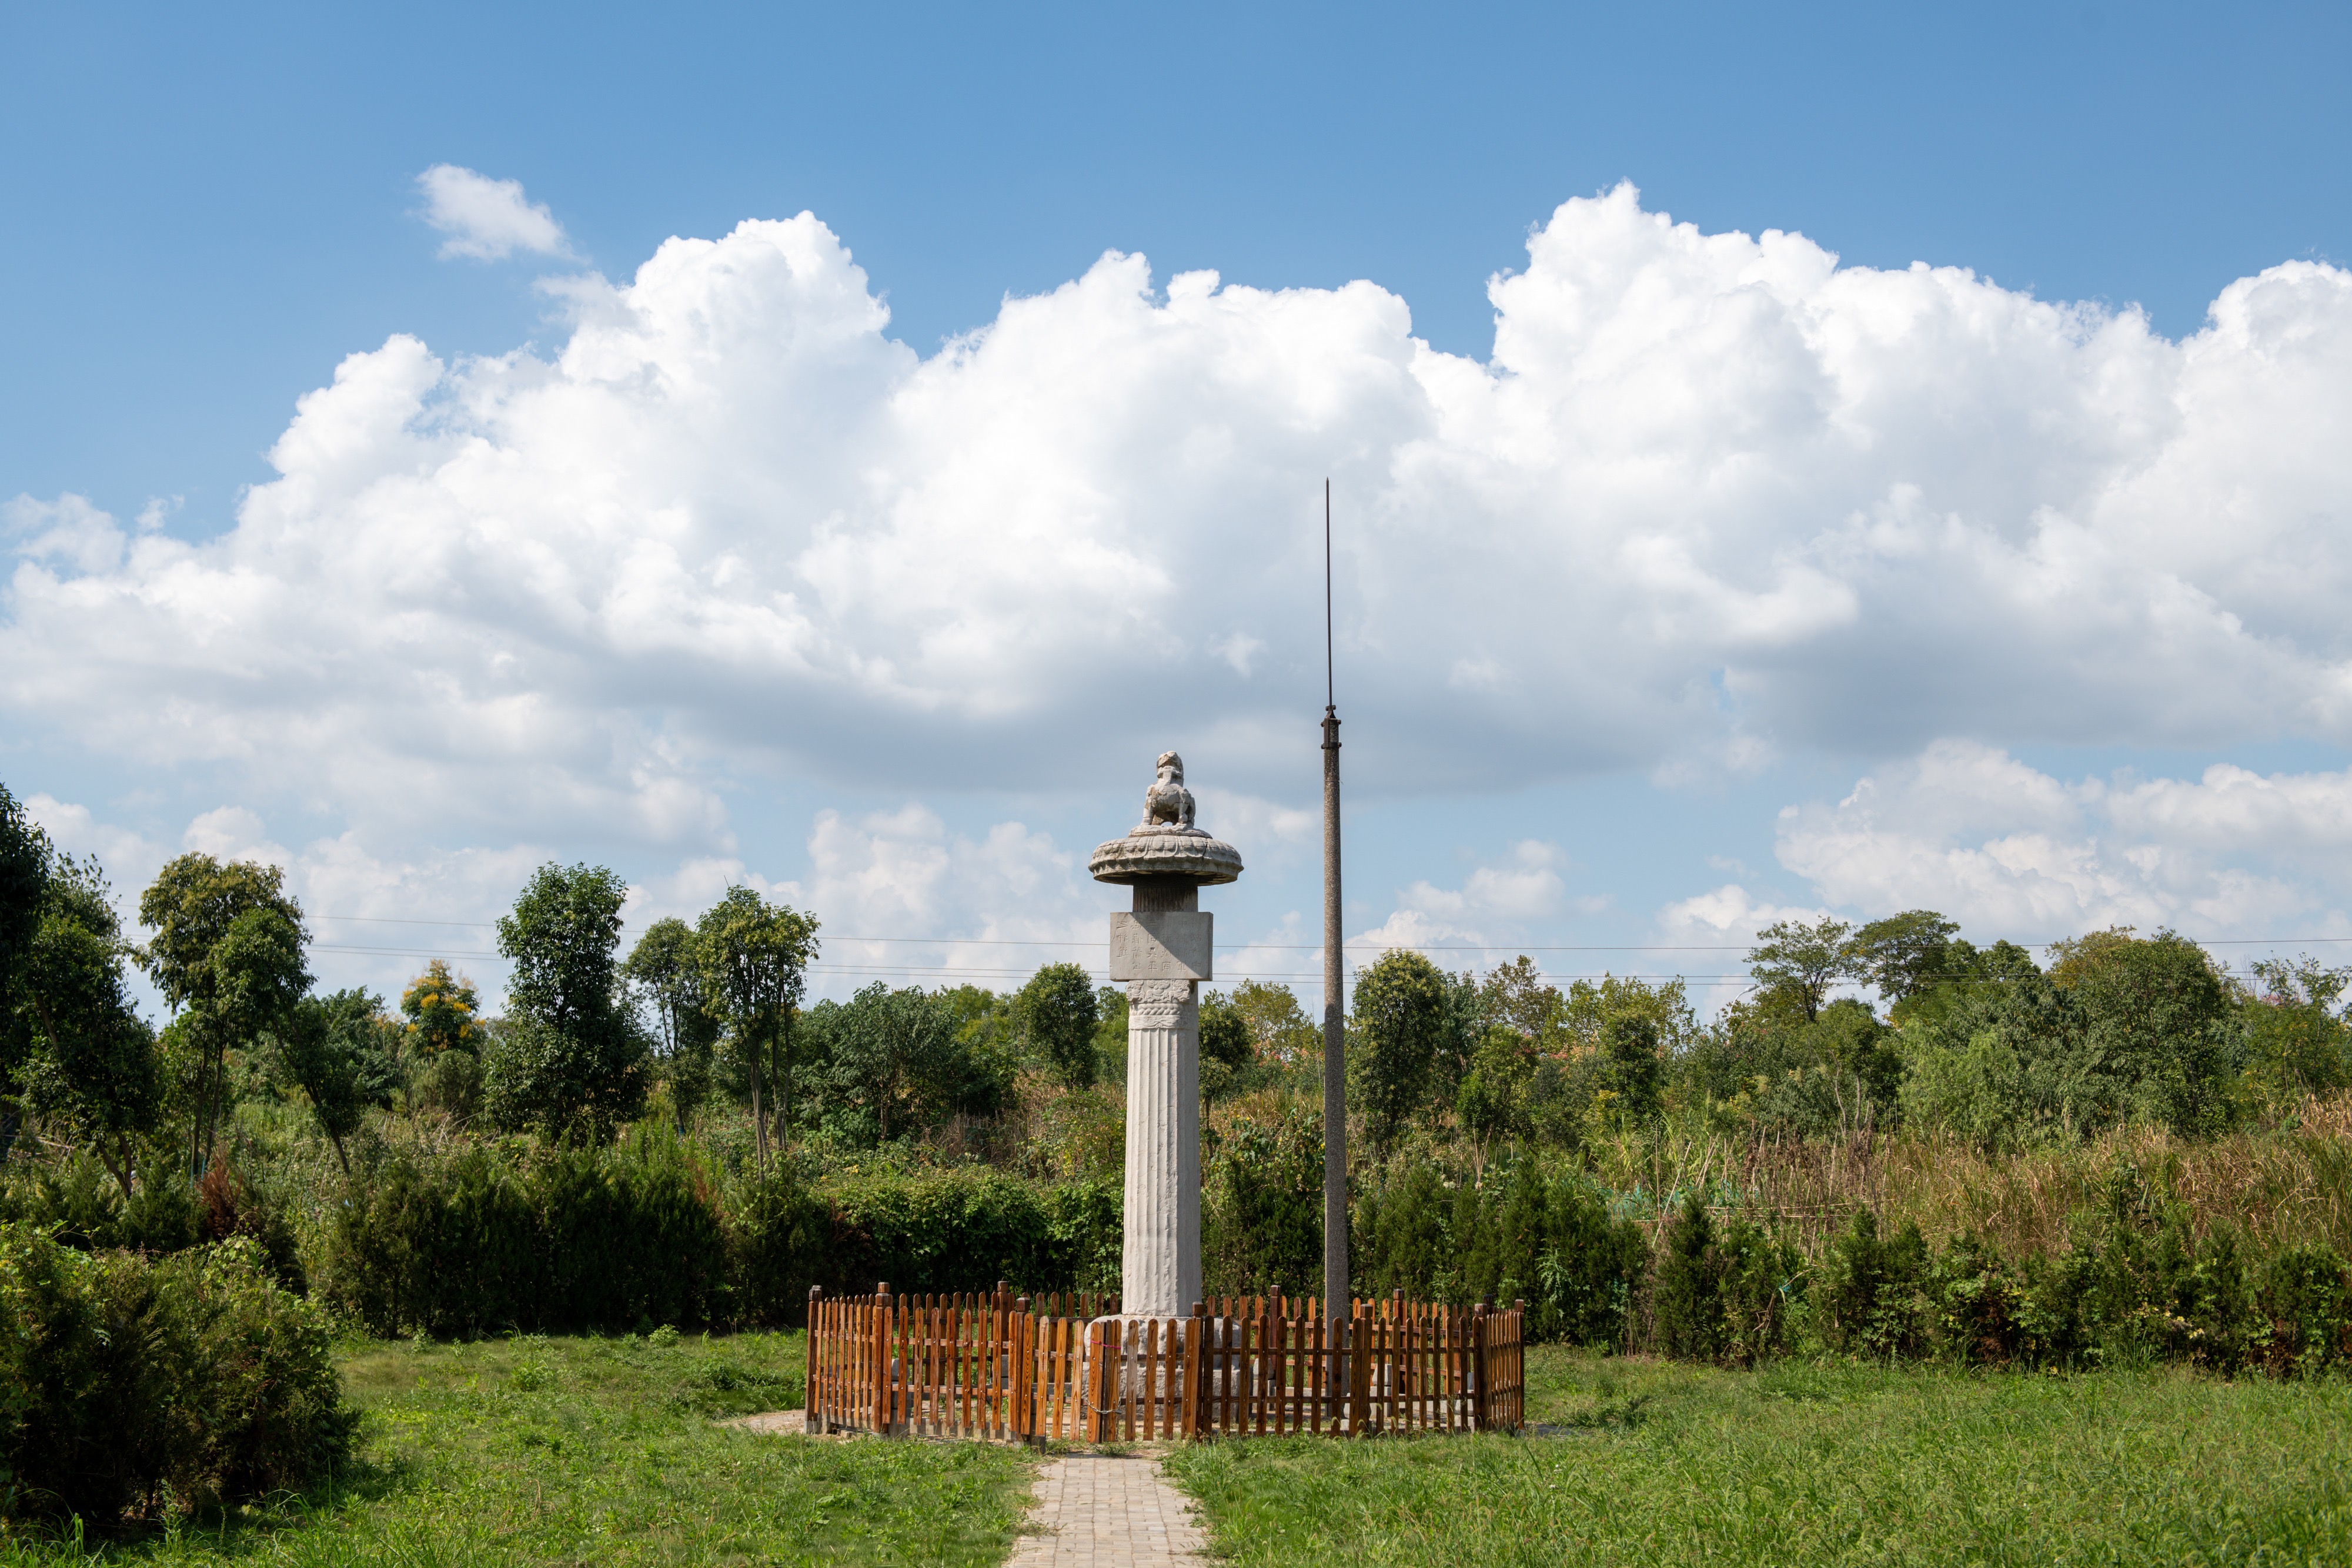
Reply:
x=999 y=1366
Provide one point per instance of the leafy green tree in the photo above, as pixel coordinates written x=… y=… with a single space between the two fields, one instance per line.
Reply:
x=1903 y=954
x=1111 y=1032
x=1262 y=1205
x=443 y=1011
x=1801 y=960
x=1591 y=1006
x=753 y=955
x=2297 y=1042
x=1227 y=1049
x=570 y=1052
x=93 y=1064
x=1966 y=968
x=328 y=1047
x=258 y=980
x=1279 y=1028
x=24 y=880
x=665 y=968
x=1516 y=996
x=1461 y=1029
x=1492 y=1099
x=1057 y=1015
x=1402 y=1015
x=2157 y=1021
x=228 y=955
x=1629 y=1044
x=888 y=1048
x=2121 y=1029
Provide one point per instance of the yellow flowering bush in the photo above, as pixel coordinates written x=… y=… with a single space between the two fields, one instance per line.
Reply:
x=440 y=1007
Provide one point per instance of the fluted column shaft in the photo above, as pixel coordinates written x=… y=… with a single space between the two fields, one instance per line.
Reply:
x=1160 y=1256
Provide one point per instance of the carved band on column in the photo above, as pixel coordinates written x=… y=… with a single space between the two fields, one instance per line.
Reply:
x=1160 y=1004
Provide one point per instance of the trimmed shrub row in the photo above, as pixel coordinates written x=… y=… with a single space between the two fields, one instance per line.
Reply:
x=641 y=1234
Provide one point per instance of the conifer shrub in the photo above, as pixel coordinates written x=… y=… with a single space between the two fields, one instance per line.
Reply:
x=1978 y=1300
x=777 y=1234
x=2304 y=1296
x=630 y=1236
x=1871 y=1298
x=79 y=1204
x=1520 y=1235
x=1587 y=1268
x=132 y=1388
x=1688 y=1299
x=1760 y=1272
x=1400 y=1233
x=441 y=1247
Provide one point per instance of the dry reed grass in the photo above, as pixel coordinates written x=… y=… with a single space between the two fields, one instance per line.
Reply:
x=2284 y=1184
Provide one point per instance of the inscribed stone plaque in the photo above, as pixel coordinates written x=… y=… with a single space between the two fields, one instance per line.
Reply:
x=1160 y=944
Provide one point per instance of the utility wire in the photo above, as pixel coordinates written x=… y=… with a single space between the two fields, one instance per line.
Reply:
x=1362 y=942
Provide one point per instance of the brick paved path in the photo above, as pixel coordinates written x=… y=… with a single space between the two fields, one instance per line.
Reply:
x=1110 y=1513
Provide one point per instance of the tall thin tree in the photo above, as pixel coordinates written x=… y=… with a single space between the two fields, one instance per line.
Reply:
x=755 y=955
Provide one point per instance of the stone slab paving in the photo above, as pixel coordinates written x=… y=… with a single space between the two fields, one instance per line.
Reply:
x=1110 y=1513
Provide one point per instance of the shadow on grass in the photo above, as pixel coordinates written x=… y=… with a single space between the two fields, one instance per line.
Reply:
x=285 y=1526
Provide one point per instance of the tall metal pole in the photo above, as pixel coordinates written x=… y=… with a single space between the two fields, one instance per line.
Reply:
x=1336 y=1300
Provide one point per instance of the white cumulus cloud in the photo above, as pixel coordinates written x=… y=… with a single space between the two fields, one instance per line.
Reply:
x=1714 y=498
x=2012 y=851
x=487 y=219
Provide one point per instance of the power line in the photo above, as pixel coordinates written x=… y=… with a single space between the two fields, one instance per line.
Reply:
x=1358 y=943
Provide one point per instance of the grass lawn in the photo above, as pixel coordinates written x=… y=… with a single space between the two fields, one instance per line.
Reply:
x=1657 y=1464
x=606 y=1451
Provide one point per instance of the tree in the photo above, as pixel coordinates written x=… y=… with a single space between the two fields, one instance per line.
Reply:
x=2121 y=1029
x=24 y=880
x=93 y=1063
x=2155 y=1015
x=1401 y=1014
x=1516 y=996
x=1491 y=1101
x=2297 y=1042
x=668 y=974
x=1903 y=954
x=752 y=956
x=1057 y=1015
x=1630 y=1046
x=1226 y=1049
x=1110 y=1030
x=888 y=1047
x=258 y=979
x=443 y=1012
x=327 y=1048
x=1801 y=960
x=228 y=995
x=1591 y=1006
x=1280 y=1028
x=571 y=1052
x=1966 y=968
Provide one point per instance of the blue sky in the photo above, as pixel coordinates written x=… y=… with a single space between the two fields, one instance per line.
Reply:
x=206 y=215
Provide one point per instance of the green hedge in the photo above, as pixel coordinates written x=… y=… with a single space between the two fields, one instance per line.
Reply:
x=561 y=1239
x=1549 y=1240
x=132 y=1388
x=490 y=1240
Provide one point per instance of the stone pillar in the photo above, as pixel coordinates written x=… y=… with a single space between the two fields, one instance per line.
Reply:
x=1162 y=949
x=1159 y=1247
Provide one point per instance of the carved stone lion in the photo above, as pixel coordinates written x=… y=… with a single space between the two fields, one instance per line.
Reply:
x=1168 y=801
